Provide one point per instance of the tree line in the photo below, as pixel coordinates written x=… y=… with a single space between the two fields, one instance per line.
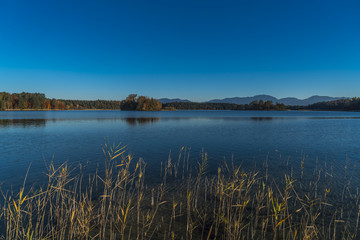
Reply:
x=255 y=105
x=23 y=101
x=352 y=104
x=38 y=101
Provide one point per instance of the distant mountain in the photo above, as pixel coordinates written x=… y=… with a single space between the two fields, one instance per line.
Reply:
x=244 y=100
x=290 y=101
x=168 y=100
x=316 y=99
x=308 y=101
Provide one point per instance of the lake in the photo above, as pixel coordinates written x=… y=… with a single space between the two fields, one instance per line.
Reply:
x=283 y=140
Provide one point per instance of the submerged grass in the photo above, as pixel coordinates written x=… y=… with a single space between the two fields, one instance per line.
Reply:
x=234 y=204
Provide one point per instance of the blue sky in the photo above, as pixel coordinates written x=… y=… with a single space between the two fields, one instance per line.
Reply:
x=178 y=48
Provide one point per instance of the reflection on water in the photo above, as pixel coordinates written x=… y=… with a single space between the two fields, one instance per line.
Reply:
x=134 y=121
x=263 y=118
x=140 y=121
x=6 y=123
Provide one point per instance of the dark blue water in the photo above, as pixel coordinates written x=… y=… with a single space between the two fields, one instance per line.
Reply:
x=248 y=137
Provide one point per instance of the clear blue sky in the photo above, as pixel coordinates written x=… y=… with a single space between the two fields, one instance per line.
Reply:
x=178 y=48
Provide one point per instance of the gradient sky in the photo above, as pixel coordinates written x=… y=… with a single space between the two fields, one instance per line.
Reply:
x=197 y=50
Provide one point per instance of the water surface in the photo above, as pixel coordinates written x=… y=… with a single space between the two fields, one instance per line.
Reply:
x=34 y=138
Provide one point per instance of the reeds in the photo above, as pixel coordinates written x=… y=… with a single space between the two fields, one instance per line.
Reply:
x=117 y=203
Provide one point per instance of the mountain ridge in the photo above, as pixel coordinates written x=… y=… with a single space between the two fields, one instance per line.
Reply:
x=170 y=100
x=289 y=101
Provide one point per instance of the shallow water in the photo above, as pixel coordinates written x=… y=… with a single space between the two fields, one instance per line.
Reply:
x=34 y=138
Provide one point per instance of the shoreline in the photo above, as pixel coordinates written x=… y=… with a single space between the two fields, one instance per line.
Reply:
x=166 y=110
x=44 y=110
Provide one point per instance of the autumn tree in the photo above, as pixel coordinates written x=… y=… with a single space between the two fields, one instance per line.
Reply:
x=141 y=103
x=148 y=104
x=130 y=103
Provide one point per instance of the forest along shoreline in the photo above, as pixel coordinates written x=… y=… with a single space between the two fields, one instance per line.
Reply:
x=39 y=102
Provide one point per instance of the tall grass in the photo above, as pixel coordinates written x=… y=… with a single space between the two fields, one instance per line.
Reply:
x=118 y=203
